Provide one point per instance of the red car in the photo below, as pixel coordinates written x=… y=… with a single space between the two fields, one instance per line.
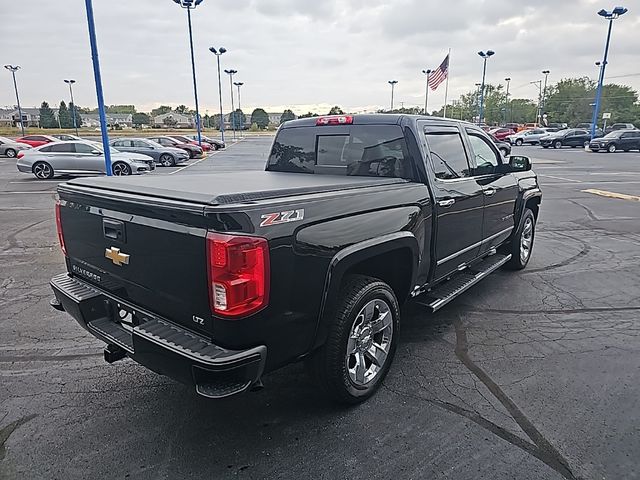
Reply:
x=501 y=133
x=181 y=138
x=36 y=140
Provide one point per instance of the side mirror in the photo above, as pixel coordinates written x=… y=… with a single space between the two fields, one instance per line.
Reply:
x=96 y=152
x=519 y=163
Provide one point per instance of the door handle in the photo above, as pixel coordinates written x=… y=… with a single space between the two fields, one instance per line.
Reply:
x=490 y=191
x=447 y=203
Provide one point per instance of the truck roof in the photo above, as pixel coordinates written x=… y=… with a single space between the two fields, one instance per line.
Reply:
x=374 y=119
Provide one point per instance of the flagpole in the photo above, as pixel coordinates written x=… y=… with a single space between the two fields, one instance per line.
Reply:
x=446 y=87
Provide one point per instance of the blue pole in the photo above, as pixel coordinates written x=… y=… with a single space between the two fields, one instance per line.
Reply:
x=596 y=108
x=99 y=94
x=193 y=70
x=484 y=71
x=220 y=95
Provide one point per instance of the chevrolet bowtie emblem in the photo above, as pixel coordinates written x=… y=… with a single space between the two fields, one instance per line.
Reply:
x=116 y=257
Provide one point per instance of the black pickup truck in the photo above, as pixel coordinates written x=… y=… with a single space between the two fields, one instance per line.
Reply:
x=217 y=279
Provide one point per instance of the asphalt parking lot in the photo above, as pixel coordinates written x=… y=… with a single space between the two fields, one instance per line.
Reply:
x=530 y=375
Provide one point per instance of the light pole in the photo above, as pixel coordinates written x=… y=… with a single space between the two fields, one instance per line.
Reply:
x=485 y=56
x=544 y=91
x=73 y=112
x=506 y=100
x=189 y=5
x=239 y=84
x=393 y=85
x=611 y=16
x=426 y=90
x=13 y=69
x=217 y=53
x=232 y=117
x=539 y=114
x=477 y=101
x=99 y=94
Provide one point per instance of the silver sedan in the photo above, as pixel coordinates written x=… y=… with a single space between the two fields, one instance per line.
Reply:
x=79 y=158
x=10 y=148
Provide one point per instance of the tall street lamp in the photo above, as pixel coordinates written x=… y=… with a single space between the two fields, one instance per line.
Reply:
x=232 y=117
x=539 y=114
x=426 y=90
x=239 y=84
x=506 y=100
x=485 y=56
x=477 y=99
x=73 y=111
x=13 y=69
x=393 y=85
x=217 y=53
x=544 y=90
x=611 y=16
x=189 y=5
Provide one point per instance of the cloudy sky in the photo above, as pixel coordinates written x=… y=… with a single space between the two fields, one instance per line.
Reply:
x=306 y=54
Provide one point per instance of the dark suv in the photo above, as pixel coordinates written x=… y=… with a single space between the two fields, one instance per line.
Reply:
x=617 y=140
x=572 y=137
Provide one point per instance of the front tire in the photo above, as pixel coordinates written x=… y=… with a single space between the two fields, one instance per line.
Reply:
x=11 y=153
x=121 y=169
x=42 y=170
x=521 y=245
x=519 y=142
x=612 y=148
x=167 y=160
x=557 y=144
x=361 y=341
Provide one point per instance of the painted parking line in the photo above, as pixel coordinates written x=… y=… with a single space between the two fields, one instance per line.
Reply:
x=205 y=158
x=560 y=178
x=605 y=193
x=48 y=192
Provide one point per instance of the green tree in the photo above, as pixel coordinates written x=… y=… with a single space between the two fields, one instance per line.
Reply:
x=335 y=110
x=47 y=117
x=64 y=118
x=121 y=109
x=286 y=116
x=183 y=109
x=620 y=101
x=238 y=119
x=308 y=115
x=570 y=100
x=140 y=118
x=162 y=109
x=73 y=111
x=260 y=118
x=169 y=121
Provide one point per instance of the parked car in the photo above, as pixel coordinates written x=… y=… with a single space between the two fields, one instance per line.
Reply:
x=558 y=126
x=10 y=148
x=512 y=126
x=65 y=137
x=584 y=125
x=79 y=158
x=621 y=126
x=194 y=151
x=624 y=140
x=528 y=137
x=214 y=142
x=36 y=140
x=165 y=156
x=233 y=275
x=501 y=133
x=504 y=147
x=571 y=137
x=182 y=138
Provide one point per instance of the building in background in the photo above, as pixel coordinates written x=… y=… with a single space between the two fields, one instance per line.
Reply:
x=123 y=120
x=174 y=120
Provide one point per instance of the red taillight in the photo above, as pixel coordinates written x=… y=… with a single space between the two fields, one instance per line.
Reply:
x=238 y=269
x=335 y=120
x=59 y=228
x=20 y=154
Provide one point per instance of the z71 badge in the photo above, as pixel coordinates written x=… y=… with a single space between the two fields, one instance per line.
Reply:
x=282 y=217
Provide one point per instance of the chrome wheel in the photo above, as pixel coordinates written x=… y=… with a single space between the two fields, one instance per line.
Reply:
x=11 y=153
x=557 y=144
x=166 y=160
x=526 y=238
x=42 y=170
x=369 y=342
x=120 y=169
x=612 y=148
x=519 y=142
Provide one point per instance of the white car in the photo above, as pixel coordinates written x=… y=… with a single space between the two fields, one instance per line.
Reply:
x=529 y=137
x=79 y=158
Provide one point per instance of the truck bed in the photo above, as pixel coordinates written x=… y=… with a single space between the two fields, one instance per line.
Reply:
x=230 y=187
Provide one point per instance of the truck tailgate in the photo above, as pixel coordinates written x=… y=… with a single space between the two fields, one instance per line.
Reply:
x=139 y=253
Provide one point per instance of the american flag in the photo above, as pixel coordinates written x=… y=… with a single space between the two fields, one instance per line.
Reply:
x=439 y=74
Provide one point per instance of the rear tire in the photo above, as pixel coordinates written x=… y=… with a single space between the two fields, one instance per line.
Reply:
x=121 y=169
x=521 y=245
x=11 y=153
x=167 y=160
x=42 y=170
x=361 y=341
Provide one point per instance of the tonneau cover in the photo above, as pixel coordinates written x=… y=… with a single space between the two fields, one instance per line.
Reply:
x=230 y=187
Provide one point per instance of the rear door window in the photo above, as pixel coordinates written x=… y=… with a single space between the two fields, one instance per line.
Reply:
x=448 y=155
x=62 y=148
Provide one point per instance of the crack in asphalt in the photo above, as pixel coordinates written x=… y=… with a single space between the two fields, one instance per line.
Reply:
x=546 y=452
x=586 y=248
x=6 y=431
x=11 y=238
